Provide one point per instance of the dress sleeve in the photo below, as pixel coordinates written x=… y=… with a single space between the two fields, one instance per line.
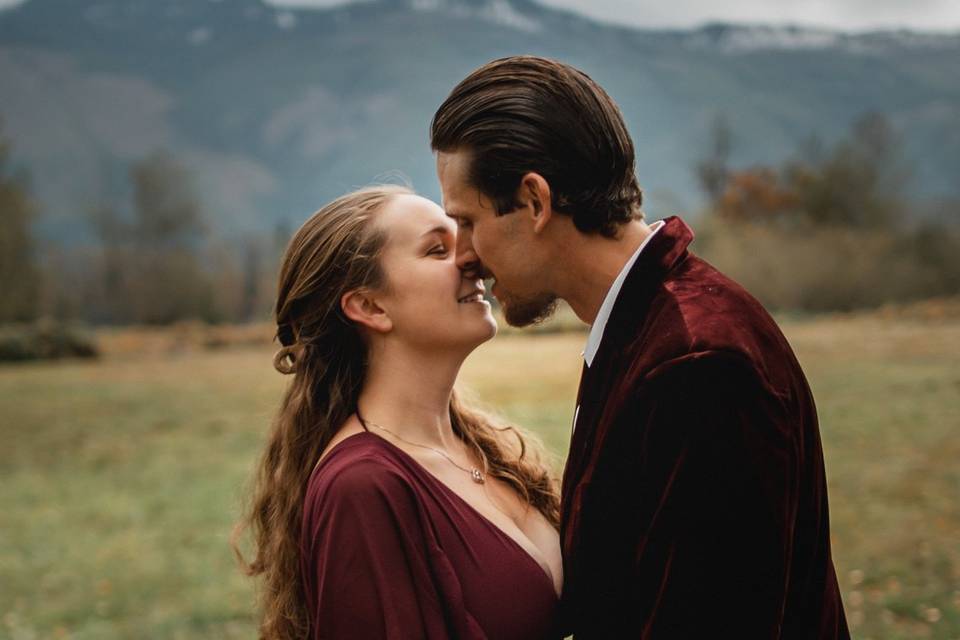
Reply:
x=720 y=465
x=372 y=559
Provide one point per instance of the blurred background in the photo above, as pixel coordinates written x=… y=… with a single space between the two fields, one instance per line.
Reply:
x=156 y=156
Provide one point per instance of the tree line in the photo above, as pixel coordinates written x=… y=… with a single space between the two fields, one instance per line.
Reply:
x=153 y=261
x=832 y=227
x=828 y=229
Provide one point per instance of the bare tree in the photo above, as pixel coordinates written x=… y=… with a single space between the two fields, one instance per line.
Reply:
x=112 y=302
x=859 y=182
x=713 y=169
x=19 y=275
x=167 y=211
x=168 y=232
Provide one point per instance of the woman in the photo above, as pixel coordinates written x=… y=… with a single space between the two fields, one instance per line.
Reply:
x=383 y=507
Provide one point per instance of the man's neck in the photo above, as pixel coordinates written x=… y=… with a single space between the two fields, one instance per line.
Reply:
x=592 y=263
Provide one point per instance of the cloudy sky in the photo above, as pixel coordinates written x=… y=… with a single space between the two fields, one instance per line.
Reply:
x=852 y=15
x=838 y=14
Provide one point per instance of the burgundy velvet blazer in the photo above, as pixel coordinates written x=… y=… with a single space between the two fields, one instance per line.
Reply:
x=694 y=495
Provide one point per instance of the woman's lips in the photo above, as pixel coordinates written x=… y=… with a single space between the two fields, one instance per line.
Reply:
x=473 y=297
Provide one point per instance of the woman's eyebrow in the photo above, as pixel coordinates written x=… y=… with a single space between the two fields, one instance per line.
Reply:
x=438 y=229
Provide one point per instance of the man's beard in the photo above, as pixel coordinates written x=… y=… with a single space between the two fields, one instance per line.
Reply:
x=523 y=313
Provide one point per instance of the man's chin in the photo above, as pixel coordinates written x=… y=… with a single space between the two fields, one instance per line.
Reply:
x=524 y=313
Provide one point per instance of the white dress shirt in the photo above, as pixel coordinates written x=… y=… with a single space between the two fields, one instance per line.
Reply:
x=600 y=323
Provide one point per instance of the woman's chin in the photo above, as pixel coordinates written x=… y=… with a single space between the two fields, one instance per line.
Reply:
x=492 y=324
x=486 y=329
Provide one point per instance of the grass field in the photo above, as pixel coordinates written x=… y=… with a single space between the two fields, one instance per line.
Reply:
x=120 y=479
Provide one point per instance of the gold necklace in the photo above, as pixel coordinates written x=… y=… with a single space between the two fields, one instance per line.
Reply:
x=475 y=474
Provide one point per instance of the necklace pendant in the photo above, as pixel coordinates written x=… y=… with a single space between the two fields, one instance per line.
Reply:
x=476 y=476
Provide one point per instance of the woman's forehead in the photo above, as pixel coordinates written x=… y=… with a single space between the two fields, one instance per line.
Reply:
x=408 y=218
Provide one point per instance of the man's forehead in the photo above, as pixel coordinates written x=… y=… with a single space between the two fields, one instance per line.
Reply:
x=465 y=202
x=452 y=163
x=454 y=198
x=460 y=198
x=451 y=169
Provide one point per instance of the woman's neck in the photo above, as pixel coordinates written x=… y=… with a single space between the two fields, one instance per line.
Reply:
x=408 y=393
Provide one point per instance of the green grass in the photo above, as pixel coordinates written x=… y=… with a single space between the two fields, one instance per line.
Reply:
x=120 y=479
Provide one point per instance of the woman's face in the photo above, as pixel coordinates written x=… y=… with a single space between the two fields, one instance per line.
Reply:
x=430 y=303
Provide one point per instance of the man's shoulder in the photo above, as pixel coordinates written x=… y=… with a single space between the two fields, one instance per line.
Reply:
x=698 y=312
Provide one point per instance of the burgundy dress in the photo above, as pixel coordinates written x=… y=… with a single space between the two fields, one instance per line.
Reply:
x=389 y=551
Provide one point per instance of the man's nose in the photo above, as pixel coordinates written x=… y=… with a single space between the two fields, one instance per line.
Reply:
x=467 y=260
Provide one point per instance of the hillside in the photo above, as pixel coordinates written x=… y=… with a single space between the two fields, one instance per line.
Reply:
x=276 y=111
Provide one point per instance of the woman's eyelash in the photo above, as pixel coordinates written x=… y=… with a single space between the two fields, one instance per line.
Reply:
x=437 y=249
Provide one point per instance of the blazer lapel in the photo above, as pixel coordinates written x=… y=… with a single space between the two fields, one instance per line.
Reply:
x=666 y=250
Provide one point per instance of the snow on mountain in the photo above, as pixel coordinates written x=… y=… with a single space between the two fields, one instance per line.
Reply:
x=501 y=12
x=736 y=38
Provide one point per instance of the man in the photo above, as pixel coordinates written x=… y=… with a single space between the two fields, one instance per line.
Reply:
x=694 y=496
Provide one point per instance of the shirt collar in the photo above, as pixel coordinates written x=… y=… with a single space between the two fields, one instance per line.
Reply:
x=600 y=323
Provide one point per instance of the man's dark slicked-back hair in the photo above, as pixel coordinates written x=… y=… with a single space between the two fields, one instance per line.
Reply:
x=524 y=113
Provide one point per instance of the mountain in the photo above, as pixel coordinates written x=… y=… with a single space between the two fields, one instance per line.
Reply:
x=275 y=111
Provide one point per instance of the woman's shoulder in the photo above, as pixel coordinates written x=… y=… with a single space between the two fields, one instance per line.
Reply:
x=359 y=492
x=357 y=468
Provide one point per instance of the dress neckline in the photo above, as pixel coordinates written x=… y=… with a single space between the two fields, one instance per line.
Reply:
x=544 y=571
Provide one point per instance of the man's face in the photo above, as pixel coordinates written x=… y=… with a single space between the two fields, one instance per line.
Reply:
x=503 y=247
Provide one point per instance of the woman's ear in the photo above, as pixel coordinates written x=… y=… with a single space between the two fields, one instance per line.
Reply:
x=534 y=193
x=360 y=306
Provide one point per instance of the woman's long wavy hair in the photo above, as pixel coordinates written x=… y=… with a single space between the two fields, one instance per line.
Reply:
x=337 y=250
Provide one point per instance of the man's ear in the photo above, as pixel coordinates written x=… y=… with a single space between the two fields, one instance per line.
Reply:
x=534 y=193
x=360 y=306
